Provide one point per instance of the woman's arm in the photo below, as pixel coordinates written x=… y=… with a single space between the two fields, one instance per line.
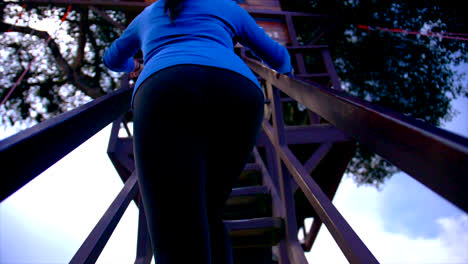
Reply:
x=254 y=37
x=119 y=56
x=137 y=70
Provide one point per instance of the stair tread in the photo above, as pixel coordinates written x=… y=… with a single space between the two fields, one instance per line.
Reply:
x=251 y=167
x=249 y=191
x=254 y=223
x=248 y=202
x=256 y=232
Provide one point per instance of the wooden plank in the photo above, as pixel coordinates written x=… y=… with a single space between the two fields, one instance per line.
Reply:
x=306 y=49
x=251 y=167
x=138 y=6
x=247 y=198
x=261 y=4
x=276 y=30
x=253 y=255
x=270 y=183
x=317 y=133
x=310 y=237
x=248 y=202
x=120 y=160
x=318 y=156
x=433 y=156
x=258 y=232
x=249 y=191
x=350 y=244
x=312 y=75
x=25 y=155
x=252 y=225
x=291 y=248
x=144 y=250
x=313 y=134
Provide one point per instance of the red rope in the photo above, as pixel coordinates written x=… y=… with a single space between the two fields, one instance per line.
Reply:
x=446 y=35
x=34 y=59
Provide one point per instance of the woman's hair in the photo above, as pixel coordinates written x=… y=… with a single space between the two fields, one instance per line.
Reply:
x=173 y=8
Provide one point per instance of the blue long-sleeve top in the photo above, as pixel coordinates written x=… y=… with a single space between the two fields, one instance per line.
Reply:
x=204 y=33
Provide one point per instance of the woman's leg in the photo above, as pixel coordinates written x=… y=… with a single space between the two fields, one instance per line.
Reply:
x=193 y=136
x=170 y=161
x=234 y=107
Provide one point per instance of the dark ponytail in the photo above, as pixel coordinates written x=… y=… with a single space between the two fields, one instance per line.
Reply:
x=173 y=8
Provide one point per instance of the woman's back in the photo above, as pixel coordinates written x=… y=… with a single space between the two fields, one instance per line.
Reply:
x=204 y=33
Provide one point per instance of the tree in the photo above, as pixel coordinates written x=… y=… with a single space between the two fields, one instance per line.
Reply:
x=411 y=74
x=63 y=75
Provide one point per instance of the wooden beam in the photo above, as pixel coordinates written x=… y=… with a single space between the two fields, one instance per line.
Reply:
x=144 y=249
x=25 y=155
x=433 y=156
x=310 y=237
x=97 y=239
x=139 y=6
x=350 y=244
x=317 y=156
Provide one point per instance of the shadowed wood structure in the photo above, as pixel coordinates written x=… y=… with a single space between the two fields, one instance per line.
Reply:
x=293 y=172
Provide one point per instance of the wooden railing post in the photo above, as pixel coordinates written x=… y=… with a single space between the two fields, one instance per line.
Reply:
x=272 y=158
x=25 y=155
x=144 y=249
x=413 y=146
x=97 y=239
x=291 y=246
x=292 y=34
x=328 y=62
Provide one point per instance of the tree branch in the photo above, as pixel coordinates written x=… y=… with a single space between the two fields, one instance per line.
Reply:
x=61 y=62
x=107 y=17
x=97 y=58
x=82 y=40
x=72 y=75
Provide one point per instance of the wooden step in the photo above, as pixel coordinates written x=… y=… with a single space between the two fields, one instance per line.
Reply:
x=248 y=202
x=256 y=232
x=244 y=195
x=251 y=167
x=253 y=256
x=251 y=175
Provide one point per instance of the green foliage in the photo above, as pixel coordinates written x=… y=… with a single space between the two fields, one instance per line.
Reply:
x=51 y=87
x=407 y=73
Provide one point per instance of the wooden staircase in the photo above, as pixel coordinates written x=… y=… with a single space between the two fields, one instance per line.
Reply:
x=249 y=217
x=278 y=188
x=256 y=229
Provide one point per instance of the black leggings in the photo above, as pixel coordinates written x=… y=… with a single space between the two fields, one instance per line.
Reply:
x=194 y=128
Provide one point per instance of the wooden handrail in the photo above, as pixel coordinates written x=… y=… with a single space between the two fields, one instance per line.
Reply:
x=139 y=6
x=433 y=156
x=25 y=155
x=97 y=239
x=351 y=245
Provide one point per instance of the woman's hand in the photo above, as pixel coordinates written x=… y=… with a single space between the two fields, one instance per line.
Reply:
x=137 y=70
x=289 y=74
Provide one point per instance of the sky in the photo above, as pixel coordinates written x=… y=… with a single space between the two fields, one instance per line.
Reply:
x=48 y=219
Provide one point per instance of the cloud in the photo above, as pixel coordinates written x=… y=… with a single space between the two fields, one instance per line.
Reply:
x=459 y=123
x=49 y=218
x=411 y=201
x=449 y=246
x=454 y=236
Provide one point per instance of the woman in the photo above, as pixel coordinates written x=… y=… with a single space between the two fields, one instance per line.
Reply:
x=197 y=113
